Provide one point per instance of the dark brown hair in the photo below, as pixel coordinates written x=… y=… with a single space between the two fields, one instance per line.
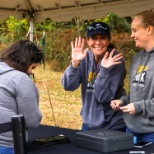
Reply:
x=21 y=55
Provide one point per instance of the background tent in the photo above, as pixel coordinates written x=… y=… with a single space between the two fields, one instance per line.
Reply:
x=57 y=10
x=65 y=10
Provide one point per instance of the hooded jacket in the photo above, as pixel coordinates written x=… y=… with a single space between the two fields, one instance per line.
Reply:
x=141 y=93
x=99 y=86
x=18 y=95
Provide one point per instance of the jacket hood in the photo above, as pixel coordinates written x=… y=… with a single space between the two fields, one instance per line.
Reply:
x=5 y=68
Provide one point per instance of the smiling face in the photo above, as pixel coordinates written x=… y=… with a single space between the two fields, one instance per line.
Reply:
x=140 y=34
x=98 y=44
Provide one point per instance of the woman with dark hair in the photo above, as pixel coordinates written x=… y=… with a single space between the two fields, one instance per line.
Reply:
x=18 y=93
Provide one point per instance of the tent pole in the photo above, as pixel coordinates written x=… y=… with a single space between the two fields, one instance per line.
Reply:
x=31 y=29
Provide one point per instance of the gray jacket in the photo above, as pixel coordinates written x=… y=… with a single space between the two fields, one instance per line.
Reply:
x=141 y=93
x=18 y=95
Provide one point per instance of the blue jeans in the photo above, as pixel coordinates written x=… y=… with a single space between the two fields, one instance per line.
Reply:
x=148 y=137
x=85 y=128
x=6 y=150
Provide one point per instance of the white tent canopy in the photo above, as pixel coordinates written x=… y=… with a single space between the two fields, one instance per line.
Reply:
x=57 y=10
x=67 y=9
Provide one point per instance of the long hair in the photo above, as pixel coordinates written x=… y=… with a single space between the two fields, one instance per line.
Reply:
x=21 y=55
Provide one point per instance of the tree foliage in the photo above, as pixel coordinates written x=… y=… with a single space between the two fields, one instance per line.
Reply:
x=117 y=23
x=60 y=34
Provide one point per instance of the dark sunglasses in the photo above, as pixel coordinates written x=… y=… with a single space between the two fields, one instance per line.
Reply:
x=96 y=27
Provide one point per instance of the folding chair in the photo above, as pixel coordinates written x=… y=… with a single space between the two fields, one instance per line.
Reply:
x=17 y=126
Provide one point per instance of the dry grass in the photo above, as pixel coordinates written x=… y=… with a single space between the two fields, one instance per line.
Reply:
x=58 y=107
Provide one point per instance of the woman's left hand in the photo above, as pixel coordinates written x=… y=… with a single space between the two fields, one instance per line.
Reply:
x=130 y=109
x=110 y=60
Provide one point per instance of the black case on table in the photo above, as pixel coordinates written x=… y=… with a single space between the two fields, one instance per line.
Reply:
x=104 y=140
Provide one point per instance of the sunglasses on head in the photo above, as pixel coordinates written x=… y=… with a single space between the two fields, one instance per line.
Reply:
x=96 y=27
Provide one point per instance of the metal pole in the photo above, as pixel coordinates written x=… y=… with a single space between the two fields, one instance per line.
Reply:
x=31 y=30
x=43 y=44
x=18 y=130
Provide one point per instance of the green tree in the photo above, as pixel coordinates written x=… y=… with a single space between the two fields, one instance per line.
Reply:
x=17 y=28
x=117 y=23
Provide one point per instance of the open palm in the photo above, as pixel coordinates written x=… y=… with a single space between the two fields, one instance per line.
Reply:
x=78 y=52
x=110 y=60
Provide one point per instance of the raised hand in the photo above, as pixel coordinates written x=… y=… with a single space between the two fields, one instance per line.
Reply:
x=78 y=52
x=110 y=60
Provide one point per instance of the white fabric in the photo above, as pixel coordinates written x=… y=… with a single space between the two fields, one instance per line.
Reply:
x=67 y=9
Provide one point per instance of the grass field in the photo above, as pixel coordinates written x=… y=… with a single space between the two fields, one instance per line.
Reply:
x=58 y=107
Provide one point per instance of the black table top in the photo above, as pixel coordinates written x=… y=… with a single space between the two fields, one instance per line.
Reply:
x=69 y=147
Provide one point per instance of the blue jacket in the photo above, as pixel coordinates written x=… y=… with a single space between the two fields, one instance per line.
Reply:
x=99 y=86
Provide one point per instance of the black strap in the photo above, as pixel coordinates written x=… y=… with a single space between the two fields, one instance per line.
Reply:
x=6 y=127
